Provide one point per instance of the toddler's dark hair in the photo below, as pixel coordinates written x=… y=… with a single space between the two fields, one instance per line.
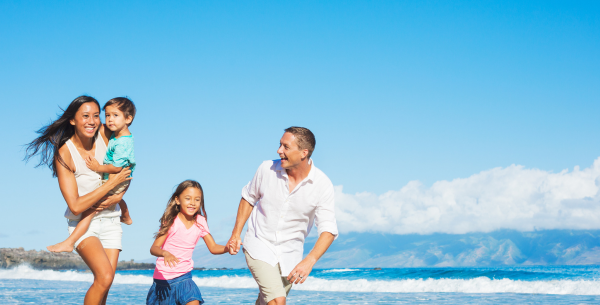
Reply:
x=124 y=104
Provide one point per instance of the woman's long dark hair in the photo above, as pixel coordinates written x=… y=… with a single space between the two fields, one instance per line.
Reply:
x=166 y=221
x=55 y=135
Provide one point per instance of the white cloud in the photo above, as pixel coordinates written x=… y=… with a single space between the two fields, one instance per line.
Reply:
x=501 y=198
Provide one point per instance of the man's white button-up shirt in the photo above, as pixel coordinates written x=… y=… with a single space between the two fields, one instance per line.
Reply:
x=280 y=219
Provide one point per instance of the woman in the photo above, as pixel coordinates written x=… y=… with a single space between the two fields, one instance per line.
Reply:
x=63 y=146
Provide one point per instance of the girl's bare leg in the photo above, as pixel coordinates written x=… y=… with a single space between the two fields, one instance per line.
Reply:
x=193 y=303
x=80 y=229
x=93 y=254
x=113 y=257
x=125 y=217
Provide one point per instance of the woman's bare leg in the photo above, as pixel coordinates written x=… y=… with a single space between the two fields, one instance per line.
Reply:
x=80 y=229
x=193 y=303
x=113 y=257
x=92 y=252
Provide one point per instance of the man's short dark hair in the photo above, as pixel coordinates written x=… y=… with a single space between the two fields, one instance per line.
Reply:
x=304 y=138
x=124 y=104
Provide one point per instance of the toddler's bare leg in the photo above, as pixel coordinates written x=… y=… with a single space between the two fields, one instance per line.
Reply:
x=125 y=217
x=80 y=229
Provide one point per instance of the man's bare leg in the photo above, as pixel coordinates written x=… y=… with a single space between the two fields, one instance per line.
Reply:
x=277 y=301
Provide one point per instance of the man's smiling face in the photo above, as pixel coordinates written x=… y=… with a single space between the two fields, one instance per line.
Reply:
x=289 y=152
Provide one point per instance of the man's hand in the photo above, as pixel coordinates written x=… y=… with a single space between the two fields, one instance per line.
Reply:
x=301 y=271
x=234 y=244
x=244 y=211
x=92 y=163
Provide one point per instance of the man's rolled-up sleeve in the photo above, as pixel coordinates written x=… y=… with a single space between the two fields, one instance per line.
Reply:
x=325 y=213
x=251 y=192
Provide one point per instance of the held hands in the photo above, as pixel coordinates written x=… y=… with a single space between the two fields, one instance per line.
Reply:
x=233 y=245
x=92 y=163
x=226 y=248
x=301 y=271
x=170 y=259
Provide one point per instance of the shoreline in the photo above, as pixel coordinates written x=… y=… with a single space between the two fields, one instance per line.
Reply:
x=44 y=260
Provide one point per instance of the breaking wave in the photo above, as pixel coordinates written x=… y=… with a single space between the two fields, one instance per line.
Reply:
x=474 y=285
x=339 y=270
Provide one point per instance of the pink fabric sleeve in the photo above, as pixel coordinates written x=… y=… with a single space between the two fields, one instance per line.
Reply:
x=202 y=225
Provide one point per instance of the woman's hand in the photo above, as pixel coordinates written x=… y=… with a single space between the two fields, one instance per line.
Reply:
x=170 y=259
x=108 y=201
x=92 y=163
x=101 y=205
x=121 y=177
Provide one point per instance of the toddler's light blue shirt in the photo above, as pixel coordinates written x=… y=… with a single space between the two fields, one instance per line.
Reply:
x=119 y=153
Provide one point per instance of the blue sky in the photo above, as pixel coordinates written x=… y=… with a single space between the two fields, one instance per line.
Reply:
x=394 y=91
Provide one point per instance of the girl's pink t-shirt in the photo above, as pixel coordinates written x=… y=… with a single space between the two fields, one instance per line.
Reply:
x=180 y=242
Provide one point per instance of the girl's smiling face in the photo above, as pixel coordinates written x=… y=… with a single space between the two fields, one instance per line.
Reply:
x=189 y=201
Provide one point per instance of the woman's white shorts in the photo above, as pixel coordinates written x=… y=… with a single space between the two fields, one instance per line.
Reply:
x=107 y=229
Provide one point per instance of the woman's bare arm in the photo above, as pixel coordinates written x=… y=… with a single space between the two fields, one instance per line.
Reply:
x=105 y=133
x=68 y=185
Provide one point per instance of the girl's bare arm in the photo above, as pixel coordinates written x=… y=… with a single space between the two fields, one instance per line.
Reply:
x=156 y=250
x=213 y=247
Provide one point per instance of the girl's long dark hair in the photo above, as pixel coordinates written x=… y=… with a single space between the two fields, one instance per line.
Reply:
x=55 y=135
x=166 y=221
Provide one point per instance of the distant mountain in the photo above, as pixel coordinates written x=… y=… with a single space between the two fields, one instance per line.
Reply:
x=499 y=248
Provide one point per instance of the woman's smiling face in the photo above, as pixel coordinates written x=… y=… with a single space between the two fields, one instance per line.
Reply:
x=86 y=120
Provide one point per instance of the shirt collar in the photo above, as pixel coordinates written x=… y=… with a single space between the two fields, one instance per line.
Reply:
x=311 y=173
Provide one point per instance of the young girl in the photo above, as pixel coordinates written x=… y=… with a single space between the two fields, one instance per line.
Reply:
x=120 y=113
x=182 y=224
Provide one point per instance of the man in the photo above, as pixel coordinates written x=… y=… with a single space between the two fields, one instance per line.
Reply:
x=283 y=200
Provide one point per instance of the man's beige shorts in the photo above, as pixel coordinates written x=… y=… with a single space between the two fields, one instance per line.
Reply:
x=269 y=279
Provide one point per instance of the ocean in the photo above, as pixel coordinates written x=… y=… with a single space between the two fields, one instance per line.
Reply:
x=497 y=285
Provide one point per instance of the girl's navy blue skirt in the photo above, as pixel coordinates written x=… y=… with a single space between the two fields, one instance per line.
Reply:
x=178 y=291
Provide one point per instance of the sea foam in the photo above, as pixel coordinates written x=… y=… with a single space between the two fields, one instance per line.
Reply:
x=475 y=285
x=339 y=270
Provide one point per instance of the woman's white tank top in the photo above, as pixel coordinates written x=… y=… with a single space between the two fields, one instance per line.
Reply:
x=87 y=179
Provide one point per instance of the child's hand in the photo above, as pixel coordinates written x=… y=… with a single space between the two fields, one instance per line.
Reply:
x=92 y=163
x=170 y=259
x=234 y=244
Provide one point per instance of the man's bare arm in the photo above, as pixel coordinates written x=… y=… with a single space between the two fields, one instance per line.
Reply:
x=303 y=269
x=244 y=211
